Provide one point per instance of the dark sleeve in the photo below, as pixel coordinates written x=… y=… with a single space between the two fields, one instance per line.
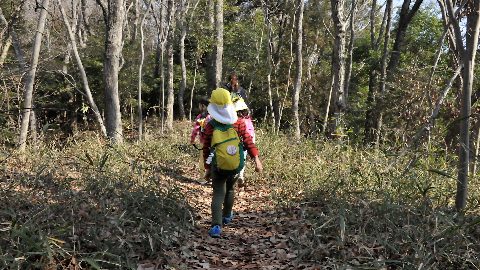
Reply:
x=243 y=93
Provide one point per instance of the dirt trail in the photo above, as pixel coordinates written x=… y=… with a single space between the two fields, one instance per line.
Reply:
x=260 y=236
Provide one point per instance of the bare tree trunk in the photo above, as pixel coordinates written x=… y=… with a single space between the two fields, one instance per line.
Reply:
x=162 y=33
x=114 y=17
x=170 y=40
x=183 y=34
x=192 y=90
x=83 y=74
x=298 y=76
x=270 y=64
x=327 y=110
x=4 y=50
x=15 y=40
x=140 y=73
x=338 y=63
x=477 y=151
x=30 y=79
x=348 y=68
x=136 y=19
x=473 y=26
x=33 y=127
x=383 y=74
x=84 y=20
x=370 y=121
x=219 y=42
x=405 y=17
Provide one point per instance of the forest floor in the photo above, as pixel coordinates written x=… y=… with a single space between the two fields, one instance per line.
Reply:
x=258 y=238
x=84 y=204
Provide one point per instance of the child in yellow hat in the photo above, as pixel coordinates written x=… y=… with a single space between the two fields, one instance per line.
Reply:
x=223 y=113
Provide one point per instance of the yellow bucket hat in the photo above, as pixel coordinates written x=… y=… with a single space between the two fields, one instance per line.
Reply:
x=221 y=97
x=221 y=107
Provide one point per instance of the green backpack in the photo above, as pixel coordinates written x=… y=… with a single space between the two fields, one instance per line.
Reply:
x=228 y=148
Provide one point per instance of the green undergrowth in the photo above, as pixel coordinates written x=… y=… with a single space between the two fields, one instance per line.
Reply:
x=87 y=204
x=82 y=202
x=367 y=210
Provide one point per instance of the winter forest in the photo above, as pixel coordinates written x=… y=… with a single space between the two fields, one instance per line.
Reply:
x=365 y=114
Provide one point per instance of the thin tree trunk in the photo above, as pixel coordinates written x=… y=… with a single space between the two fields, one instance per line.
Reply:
x=15 y=42
x=219 y=42
x=83 y=74
x=171 y=96
x=140 y=73
x=136 y=20
x=30 y=79
x=436 y=110
x=327 y=110
x=473 y=25
x=477 y=150
x=4 y=50
x=270 y=63
x=183 y=83
x=33 y=127
x=348 y=68
x=192 y=91
x=383 y=73
x=298 y=76
x=338 y=64
x=162 y=89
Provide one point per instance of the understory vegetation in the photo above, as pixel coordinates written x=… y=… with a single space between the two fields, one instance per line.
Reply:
x=84 y=203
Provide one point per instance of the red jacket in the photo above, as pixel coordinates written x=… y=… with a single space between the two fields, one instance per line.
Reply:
x=241 y=129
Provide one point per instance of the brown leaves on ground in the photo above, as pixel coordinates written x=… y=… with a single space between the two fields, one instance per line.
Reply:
x=259 y=236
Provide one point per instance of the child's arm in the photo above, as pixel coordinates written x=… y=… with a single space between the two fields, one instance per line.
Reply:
x=195 y=130
x=206 y=137
x=249 y=145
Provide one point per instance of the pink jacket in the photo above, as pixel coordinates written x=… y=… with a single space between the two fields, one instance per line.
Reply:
x=249 y=124
x=198 y=125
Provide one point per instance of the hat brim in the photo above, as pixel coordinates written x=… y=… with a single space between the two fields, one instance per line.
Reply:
x=224 y=114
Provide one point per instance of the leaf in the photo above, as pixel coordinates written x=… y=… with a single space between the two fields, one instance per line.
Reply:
x=90 y=160
x=103 y=161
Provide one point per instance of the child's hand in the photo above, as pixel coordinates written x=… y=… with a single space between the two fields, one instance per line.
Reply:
x=258 y=165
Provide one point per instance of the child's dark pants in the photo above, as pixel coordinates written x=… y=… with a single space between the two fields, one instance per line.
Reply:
x=223 y=195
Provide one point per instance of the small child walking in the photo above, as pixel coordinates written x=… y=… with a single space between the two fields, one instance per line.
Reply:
x=243 y=113
x=223 y=114
x=198 y=126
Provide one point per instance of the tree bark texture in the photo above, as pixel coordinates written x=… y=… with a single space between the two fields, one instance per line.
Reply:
x=219 y=42
x=113 y=51
x=30 y=77
x=473 y=26
x=298 y=76
x=170 y=90
x=338 y=63
x=183 y=82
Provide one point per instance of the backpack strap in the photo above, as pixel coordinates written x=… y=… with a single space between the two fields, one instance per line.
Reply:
x=217 y=125
x=227 y=140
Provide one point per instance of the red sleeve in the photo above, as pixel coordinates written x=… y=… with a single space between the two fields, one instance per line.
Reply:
x=248 y=144
x=207 y=142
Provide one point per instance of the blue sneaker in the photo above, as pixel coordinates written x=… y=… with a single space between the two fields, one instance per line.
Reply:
x=215 y=231
x=228 y=219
